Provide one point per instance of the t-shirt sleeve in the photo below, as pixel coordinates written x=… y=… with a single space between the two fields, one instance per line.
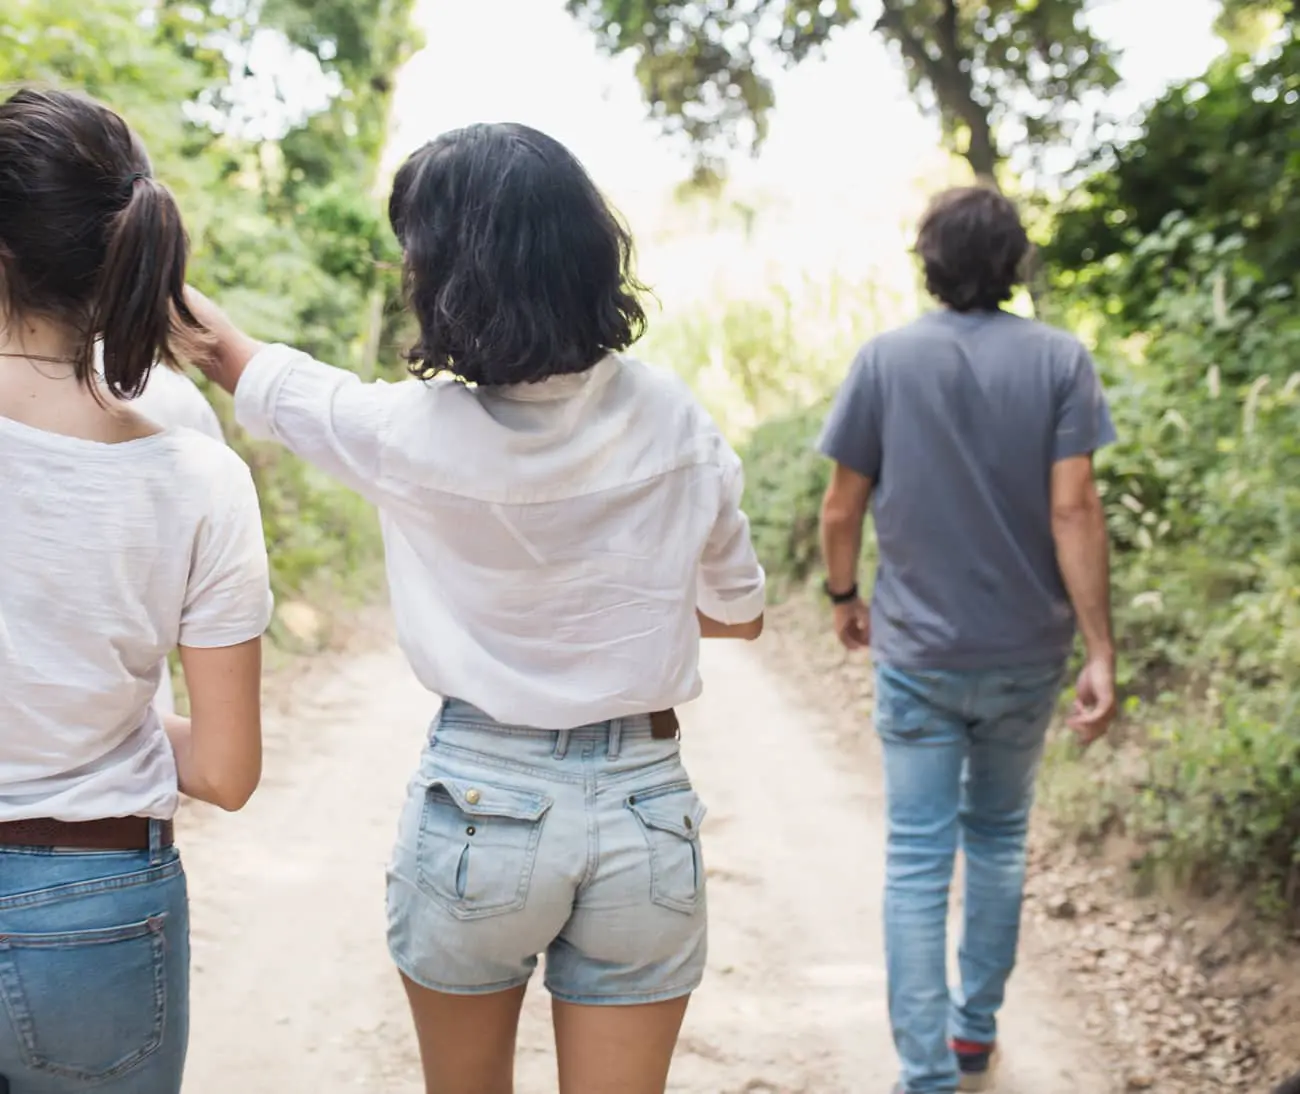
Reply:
x=1083 y=421
x=731 y=584
x=228 y=599
x=851 y=435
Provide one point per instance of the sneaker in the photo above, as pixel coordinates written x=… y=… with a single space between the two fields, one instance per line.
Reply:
x=976 y=1062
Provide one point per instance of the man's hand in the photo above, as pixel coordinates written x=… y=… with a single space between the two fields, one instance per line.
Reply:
x=853 y=624
x=1094 y=702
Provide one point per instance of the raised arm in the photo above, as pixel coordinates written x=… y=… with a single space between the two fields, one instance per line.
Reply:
x=325 y=415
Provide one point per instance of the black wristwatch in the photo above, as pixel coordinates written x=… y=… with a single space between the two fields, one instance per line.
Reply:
x=846 y=597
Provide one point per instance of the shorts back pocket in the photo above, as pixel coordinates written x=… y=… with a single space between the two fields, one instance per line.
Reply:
x=88 y=1006
x=478 y=844
x=670 y=818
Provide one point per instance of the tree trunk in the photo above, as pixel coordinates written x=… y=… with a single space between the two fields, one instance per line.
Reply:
x=980 y=151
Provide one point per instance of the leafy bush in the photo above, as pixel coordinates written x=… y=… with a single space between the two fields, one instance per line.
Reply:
x=286 y=231
x=785 y=478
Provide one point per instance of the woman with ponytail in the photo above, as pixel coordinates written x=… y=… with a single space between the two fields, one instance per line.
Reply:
x=119 y=540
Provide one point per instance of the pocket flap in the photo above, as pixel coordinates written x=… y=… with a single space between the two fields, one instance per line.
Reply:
x=674 y=809
x=477 y=799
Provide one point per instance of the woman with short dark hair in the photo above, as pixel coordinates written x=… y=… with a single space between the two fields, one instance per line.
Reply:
x=119 y=540
x=561 y=524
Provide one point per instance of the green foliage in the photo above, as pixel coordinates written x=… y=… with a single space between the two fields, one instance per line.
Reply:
x=1247 y=25
x=1183 y=257
x=1216 y=163
x=785 y=478
x=750 y=359
x=1221 y=800
x=286 y=232
x=999 y=65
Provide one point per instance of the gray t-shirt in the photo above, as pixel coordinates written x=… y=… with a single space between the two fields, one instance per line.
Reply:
x=958 y=419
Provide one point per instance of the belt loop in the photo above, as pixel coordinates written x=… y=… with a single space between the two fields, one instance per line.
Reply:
x=155 y=841
x=561 y=744
x=615 y=741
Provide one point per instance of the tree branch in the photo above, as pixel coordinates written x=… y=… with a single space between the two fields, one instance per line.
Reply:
x=953 y=86
x=948 y=30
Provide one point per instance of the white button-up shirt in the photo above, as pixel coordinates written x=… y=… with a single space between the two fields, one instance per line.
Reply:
x=547 y=544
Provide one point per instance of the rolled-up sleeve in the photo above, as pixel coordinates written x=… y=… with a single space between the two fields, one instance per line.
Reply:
x=731 y=585
x=324 y=414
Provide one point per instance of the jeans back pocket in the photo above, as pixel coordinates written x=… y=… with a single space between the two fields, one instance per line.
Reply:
x=670 y=818
x=477 y=845
x=88 y=1006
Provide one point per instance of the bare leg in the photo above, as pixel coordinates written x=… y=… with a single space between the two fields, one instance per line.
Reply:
x=467 y=1042
x=616 y=1050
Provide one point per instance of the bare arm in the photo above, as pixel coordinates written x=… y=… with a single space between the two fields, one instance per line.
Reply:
x=713 y=628
x=1083 y=550
x=1083 y=554
x=844 y=511
x=219 y=747
x=730 y=583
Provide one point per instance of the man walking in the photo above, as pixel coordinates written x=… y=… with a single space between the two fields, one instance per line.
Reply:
x=970 y=432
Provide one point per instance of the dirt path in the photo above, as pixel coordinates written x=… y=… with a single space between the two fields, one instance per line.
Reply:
x=293 y=990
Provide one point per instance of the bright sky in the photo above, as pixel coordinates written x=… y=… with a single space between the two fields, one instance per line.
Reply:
x=534 y=64
x=846 y=140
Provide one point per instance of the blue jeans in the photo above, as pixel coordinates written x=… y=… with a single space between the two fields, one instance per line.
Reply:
x=94 y=972
x=961 y=750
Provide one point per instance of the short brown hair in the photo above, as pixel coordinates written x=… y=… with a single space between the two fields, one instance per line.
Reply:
x=973 y=247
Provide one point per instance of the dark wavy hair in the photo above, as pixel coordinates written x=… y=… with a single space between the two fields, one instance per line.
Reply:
x=89 y=238
x=973 y=248
x=515 y=266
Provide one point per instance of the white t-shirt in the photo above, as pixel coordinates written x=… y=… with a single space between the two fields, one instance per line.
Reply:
x=174 y=401
x=547 y=544
x=110 y=556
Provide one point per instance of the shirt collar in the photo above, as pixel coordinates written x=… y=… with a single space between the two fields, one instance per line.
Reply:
x=556 y=387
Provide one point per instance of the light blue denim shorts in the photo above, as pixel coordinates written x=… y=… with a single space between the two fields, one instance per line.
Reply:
x=583 y=845
x=94 y=971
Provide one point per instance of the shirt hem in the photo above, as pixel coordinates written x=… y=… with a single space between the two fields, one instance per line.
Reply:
x=222 y=640
x=973 y=662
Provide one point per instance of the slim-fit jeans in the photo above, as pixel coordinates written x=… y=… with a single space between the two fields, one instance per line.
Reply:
x=961 y=752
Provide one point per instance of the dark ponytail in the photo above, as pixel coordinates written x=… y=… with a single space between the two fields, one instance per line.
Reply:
x=90 y=239
x=140 y=311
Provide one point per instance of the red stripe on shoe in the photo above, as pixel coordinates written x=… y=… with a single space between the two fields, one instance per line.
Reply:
x=970 y=1048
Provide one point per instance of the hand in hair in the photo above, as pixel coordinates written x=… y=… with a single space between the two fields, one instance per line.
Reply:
x=231 y=348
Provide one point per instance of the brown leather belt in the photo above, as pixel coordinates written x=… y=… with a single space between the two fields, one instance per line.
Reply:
x=664 y=725
x=109 y=834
